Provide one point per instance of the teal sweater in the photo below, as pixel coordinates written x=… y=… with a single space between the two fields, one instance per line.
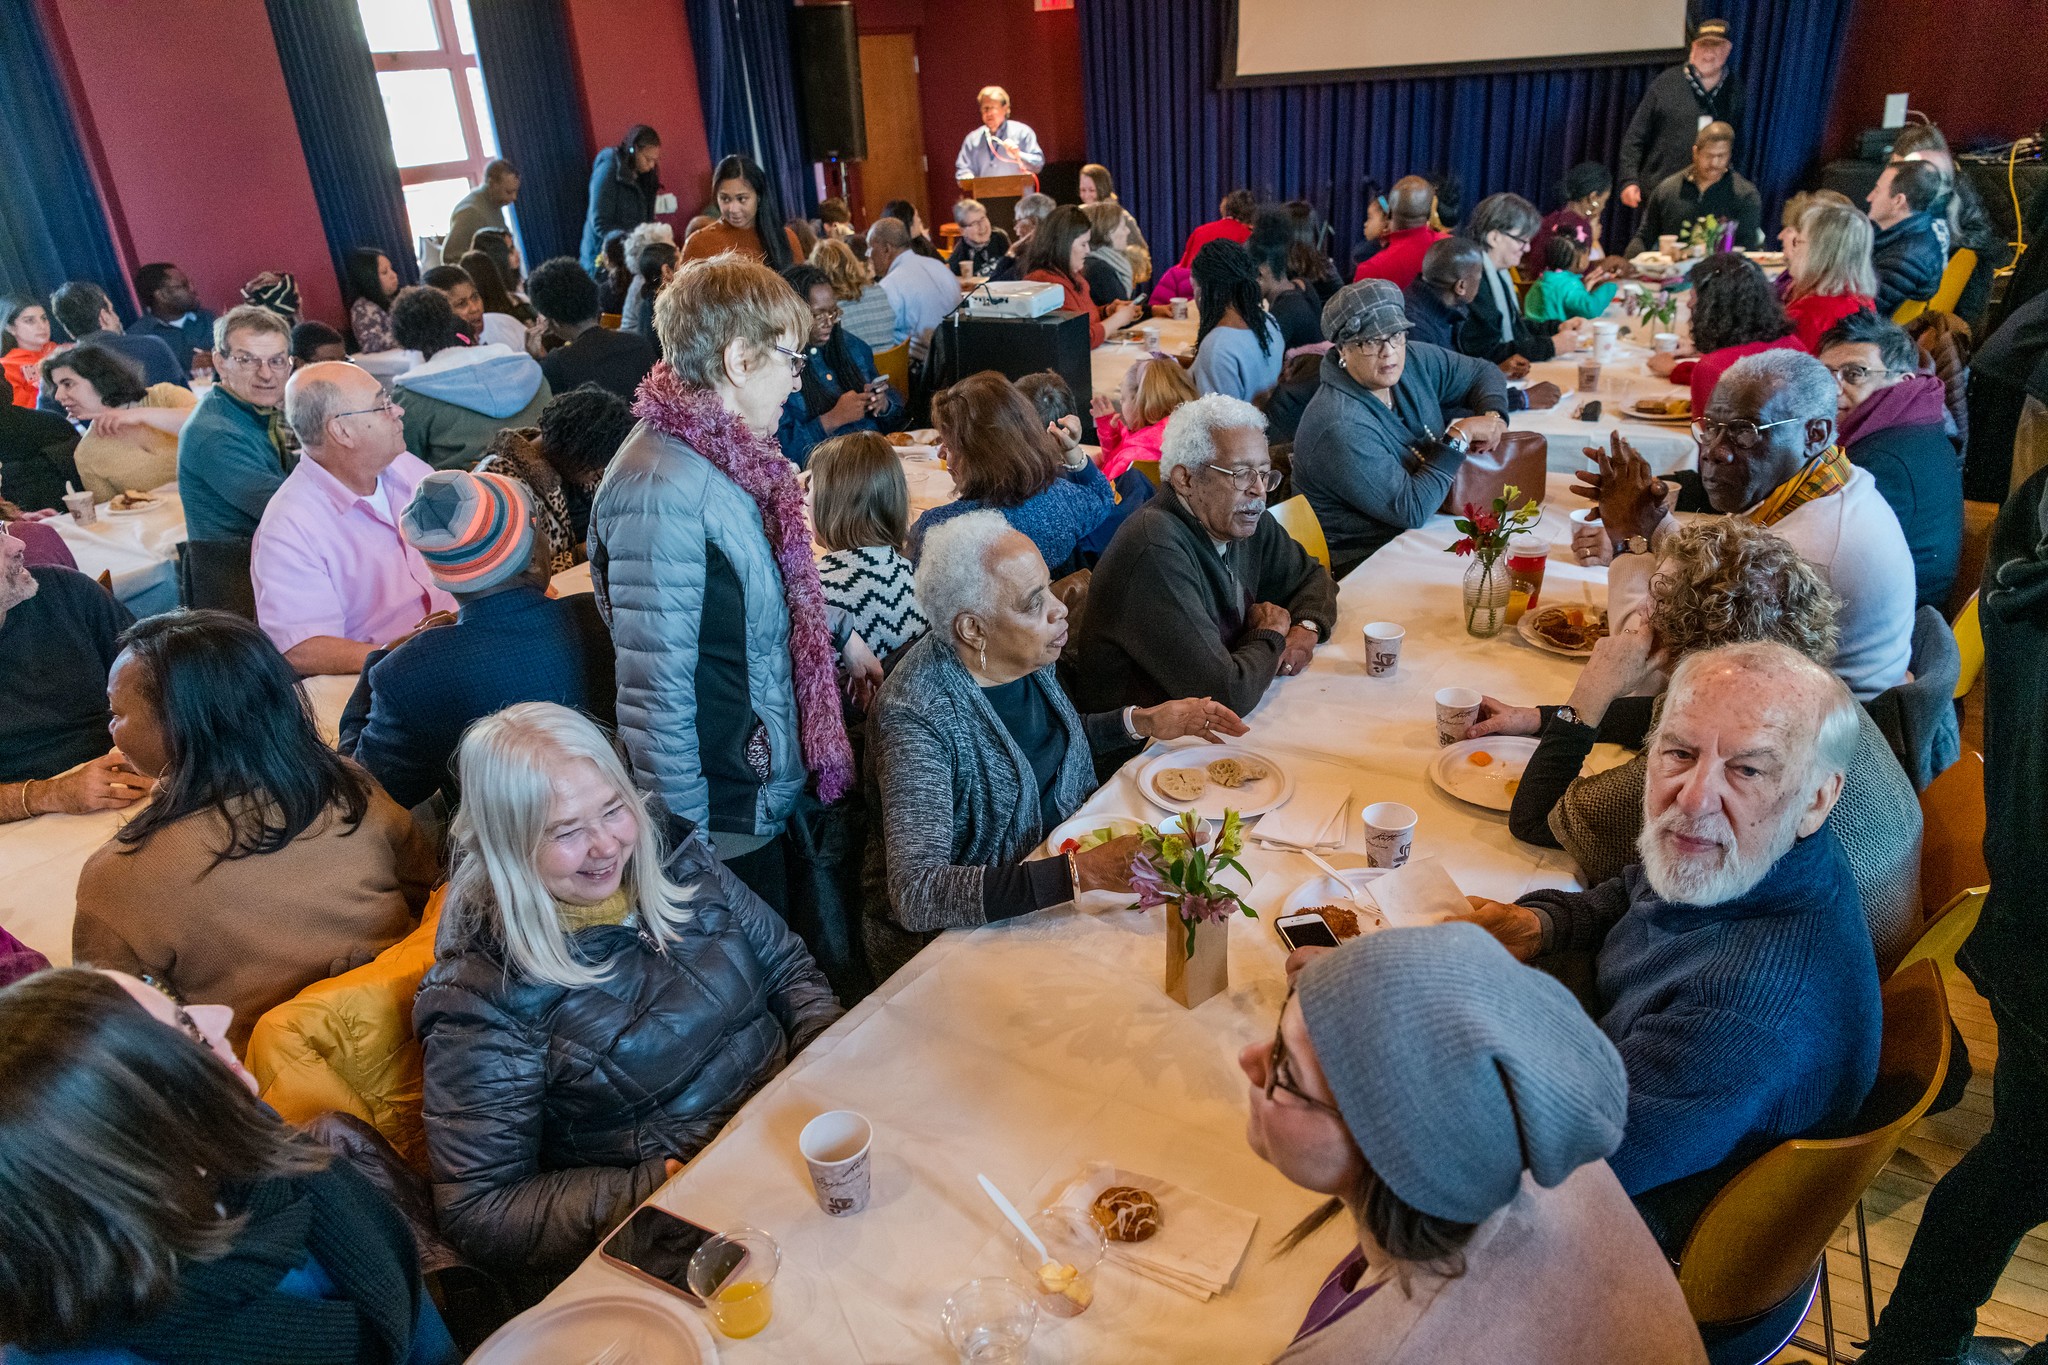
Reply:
x=1560 y=295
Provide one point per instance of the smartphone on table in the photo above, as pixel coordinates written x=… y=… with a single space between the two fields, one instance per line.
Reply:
x=1305 y=931
x=656 y=1245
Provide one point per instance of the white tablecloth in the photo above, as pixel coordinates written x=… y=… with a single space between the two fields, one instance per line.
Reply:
x=140 y=549
x=1112 y=359
x=1028 y=1050
x=1623 y=380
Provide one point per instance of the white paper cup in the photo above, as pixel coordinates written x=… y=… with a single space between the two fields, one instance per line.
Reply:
x=81 y=508
x=835 y=1146
x=1389 y=833
x=1665 y=342
x=1606 y=335
x=1456 y=709
x=1150 y=336
x=1179 y=309
x=1383 y=647
x=1668 y=245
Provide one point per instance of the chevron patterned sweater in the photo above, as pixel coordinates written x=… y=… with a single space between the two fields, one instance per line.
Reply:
x=873 y=586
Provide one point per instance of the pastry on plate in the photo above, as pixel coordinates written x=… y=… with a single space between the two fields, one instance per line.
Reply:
x=901 y=438
x=1182 y=784
x=1570 y=627
x=1235 y=772
x=1342 y=919
x=1126 y=1213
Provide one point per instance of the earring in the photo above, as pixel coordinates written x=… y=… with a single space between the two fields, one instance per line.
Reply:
x=984 y=657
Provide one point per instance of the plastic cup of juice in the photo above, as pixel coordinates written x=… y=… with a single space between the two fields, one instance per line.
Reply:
x=734 y=1274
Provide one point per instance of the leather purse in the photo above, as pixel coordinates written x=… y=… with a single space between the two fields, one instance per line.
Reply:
x=1522 y=459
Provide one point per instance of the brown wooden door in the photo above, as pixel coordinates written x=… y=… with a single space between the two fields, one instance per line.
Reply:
x=895 y=168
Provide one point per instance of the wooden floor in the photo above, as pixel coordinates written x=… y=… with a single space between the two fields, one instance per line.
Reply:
x=2019 y=1308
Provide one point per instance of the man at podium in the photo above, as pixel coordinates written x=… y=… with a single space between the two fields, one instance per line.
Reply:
x=1001 y=146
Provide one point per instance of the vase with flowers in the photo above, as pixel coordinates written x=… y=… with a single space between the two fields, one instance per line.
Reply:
x=1486 y=536
x=1177 y=866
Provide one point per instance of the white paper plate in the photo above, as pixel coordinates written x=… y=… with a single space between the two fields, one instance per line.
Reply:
x=1323 y=890
x=1253 y=798
x=1526 y=628
x=1483 y=785
x=582 y=1330
x=1082 y=825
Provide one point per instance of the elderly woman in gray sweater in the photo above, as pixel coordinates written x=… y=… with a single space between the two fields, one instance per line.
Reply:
x=974 y=753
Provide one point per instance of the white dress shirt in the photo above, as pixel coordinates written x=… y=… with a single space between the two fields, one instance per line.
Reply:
x=921 y=292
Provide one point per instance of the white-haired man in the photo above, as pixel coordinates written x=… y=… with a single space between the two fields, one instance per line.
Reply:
x=1201 y=594
x=1735 y=970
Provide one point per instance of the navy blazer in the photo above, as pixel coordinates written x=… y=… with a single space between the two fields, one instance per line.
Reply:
x=414 y=700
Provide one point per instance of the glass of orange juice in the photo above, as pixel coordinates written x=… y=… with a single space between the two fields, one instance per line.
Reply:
x=734 y=1274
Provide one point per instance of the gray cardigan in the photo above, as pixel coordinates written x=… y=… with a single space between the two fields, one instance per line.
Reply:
x=1357 y=459
x=660 y=510
x=957 y=800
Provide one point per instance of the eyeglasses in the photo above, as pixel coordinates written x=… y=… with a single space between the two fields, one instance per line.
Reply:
x=832 y=314
x=1856 y=374
x=797 y=360
x=1742 y=435
x=385 y=406
x=1385 y=345
x=1280 y=1076
x=1517 y=240
x=281 y=363
x=1249 y=480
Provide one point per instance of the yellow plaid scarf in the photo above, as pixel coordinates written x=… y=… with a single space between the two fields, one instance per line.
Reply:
x=1827 y=472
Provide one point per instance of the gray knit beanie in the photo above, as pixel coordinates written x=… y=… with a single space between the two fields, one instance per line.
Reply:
x=1456 y=1067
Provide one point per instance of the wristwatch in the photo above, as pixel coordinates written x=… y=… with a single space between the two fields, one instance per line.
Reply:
x=1314 y=627
x=1568 y=714
x=1632 y=545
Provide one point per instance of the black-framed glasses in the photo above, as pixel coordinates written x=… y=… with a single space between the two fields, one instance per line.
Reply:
x=797 y=359
x=1249 y=480
x=384 y=406
x=1280 y=1075
x=1856 y=374
x=1743 y=435
x=1385 y=345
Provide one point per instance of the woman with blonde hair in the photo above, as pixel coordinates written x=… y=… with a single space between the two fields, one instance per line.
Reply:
x=1131 y=426
x=1789 y=235
x=1829 y=265
x=599 y=1008
x=864 y=310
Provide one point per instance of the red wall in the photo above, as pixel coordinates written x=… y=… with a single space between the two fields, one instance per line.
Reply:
x=636 y=66
x=961 y=48
x=1974 y=68
x=184 y=113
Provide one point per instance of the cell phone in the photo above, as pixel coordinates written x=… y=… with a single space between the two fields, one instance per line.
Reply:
x=656 y=1246
x=1306 y=931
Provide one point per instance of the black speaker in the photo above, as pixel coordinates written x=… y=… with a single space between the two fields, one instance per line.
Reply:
x=1015 y=347
x=827 y=52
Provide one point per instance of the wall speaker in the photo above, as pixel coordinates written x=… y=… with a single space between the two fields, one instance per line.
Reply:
x=826 y=47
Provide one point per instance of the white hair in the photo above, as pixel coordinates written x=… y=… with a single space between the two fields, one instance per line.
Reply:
x=1806 y=390
x=640 y=238
x=505 y=763
x=965 y=207
x=952 y=571
x=1191 y=431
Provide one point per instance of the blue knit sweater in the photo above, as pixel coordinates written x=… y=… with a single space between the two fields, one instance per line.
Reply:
x=1741 y=1024
x=1055 y=518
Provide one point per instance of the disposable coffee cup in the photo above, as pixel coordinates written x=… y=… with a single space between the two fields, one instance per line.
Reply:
x=1383 y=648
x=1456 y=709
x=1389 y=833
x=1606 y=335
x=1665 y=342
x=1668 y=245
x=1150 y=336
x=81 y=508
x=835 y=1147
x=1180 y=310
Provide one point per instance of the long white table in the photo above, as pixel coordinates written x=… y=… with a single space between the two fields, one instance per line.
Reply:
x=140 y=550
x=1027 y=1050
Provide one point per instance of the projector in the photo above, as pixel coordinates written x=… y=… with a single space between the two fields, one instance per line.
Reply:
x=1015 y=299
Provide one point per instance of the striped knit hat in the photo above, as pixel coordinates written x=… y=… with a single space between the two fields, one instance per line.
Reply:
x=474 y=530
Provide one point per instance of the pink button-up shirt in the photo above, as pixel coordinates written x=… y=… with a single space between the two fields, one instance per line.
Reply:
x=330 y=562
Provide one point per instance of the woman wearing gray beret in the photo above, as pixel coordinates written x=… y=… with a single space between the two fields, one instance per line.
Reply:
x=1459 y=1107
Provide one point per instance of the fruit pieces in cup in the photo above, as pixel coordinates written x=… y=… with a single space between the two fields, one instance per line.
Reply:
x=1066 y=1283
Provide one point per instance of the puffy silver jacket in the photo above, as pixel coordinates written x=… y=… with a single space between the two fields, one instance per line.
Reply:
x=660 y=505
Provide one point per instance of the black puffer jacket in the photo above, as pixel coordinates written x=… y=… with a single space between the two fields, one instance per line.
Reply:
x=549 y=1110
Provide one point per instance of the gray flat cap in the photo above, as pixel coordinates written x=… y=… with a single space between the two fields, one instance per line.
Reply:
x=1365 y=311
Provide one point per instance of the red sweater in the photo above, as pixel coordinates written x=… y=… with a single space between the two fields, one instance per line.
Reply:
x=1813 y=314
x=1706 y=371
x=1400 y=260
x=1222 y=230
x=1078 y=300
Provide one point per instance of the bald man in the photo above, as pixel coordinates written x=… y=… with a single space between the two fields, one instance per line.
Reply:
x=334 y=577
x=1409 y=235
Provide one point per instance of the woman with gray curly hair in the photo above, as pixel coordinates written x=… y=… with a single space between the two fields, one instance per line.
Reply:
x=1720 y=582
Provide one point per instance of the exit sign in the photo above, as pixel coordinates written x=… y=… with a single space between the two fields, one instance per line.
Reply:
x=1044 y=5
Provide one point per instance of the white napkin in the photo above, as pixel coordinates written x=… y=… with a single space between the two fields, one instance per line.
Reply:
x=1420 y=892
x=1312 y=818
x=1199 y=1243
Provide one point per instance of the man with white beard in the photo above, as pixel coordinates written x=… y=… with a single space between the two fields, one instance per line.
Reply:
x=1735 y=973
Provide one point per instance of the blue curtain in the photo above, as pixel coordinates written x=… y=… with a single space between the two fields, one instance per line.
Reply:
x=342 y=130
x=53 y=227
x=523 y=46
x=1176 y=142
x=748 y=90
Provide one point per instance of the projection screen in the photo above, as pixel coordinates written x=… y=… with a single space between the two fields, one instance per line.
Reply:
x=1296 y=41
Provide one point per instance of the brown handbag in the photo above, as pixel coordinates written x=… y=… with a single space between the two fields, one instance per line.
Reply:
x=1522 y=459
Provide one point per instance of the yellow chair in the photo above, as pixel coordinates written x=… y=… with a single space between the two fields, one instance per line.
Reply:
x=1969 y=633
x=1149 y=468
x=610 y=321
x=1299 y=520
x=894 y=366
x=1954 y=280
x=1953 y=877
x=347 y=1044
x=1766 y=1233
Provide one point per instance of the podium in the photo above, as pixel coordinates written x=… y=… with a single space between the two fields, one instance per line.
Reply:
x=999 y=195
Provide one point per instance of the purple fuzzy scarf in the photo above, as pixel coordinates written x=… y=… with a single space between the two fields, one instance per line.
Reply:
x=697 y=419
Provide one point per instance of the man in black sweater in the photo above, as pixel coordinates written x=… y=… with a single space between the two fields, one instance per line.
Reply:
x=1201 y=594
x=566 y=299
x=1708 y=187
x=1680 y=102
x=1438 y=299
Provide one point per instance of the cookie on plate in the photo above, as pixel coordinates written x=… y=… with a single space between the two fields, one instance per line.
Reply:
x=1182 y=784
